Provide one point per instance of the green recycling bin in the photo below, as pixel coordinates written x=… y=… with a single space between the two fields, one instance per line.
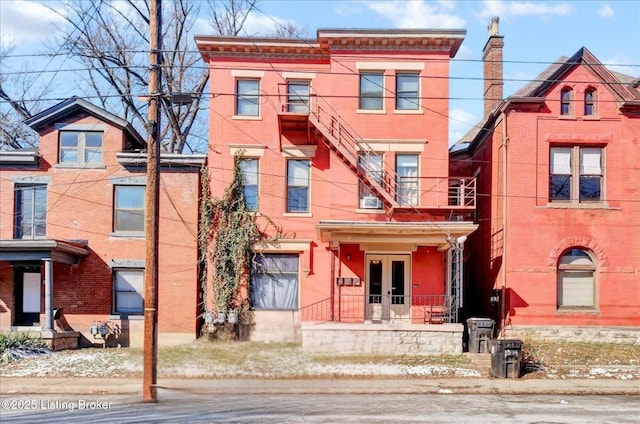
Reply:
x=480 y=333
x=505 y=358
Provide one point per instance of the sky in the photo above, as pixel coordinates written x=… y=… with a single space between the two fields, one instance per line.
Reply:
x=536 y=33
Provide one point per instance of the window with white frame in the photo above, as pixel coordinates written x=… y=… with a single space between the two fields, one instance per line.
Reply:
x=298 y=96
x=371 y=91
x=576 y=279
x=80 y=147
x=372 y=164
x=576 y=174
x=407 y=91
x=274 y=281
x=30 y=211
x=407 y=179
x=128 y=291
x=298 y=185
x=247 y=97
x=128 y=211
x=249 y=171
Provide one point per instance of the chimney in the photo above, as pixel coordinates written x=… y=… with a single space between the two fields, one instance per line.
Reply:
x=492 y=59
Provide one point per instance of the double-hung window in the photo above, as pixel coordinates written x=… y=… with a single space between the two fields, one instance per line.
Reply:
x=407 y=91
x=247 y=97
x=298 y=185
x=576 y=174
x=31 y=211
x=128 y=291
x=298 y=96
x=566 y=100
x=371 y=163
x=371 y=91
x=129 y=208
x=80 y=147
x=274 y=282
x=576 y=279
x=249 y=171
x=590 y=102
x=407 y=179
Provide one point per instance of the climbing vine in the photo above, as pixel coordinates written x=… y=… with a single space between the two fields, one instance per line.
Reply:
x=228 y=234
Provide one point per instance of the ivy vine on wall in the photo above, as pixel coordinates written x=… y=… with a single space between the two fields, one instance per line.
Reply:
x=227 y=237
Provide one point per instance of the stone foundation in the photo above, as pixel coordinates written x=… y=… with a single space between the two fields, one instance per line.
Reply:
x=384 y=339
x=576 y=334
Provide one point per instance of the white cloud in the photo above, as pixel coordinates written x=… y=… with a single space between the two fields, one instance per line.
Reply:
x=417 y=13
x=460 y=122
x=524 y=8
x=605 y=11
x=26 y=22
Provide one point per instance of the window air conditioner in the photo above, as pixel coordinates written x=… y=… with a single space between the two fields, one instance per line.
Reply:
x=370 y=202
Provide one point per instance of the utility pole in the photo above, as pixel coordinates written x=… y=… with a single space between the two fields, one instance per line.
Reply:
x=151 y=208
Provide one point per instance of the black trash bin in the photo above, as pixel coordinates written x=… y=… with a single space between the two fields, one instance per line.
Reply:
x=505 y=358
x=480 y=333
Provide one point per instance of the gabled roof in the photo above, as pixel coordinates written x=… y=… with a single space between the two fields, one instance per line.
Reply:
x=625 y=88
x=75 y=105
x=622 y=89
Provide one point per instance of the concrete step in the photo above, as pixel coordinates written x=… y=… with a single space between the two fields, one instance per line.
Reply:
x=480 y=361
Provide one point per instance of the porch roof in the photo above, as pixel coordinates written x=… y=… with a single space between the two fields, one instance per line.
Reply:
x=63 y=251
x=424 y=233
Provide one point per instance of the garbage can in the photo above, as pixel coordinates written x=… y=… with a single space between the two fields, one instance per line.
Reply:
x=505 y=358
x=480 y=332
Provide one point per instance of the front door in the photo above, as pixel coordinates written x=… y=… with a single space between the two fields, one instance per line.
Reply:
x=388 y=288
x=28 y=295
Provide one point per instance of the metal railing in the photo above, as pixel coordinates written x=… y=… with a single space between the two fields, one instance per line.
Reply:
x=354 y=308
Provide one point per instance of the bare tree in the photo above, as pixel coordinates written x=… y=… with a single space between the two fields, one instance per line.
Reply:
x=110 y=40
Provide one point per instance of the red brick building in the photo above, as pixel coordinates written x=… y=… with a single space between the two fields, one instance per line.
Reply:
x=342 y=141
x=557 y=167
x=72 y=242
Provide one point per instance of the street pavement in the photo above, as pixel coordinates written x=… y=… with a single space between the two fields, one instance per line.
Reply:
x=450 y=385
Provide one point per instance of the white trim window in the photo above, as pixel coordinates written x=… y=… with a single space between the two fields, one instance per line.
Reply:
x=80 y=147
x=247 y=97
x=576 y=174
x=249 y=171
x=298 y=92
x=407 y=179
x=128 y=291
x=576 y=279
x=407 y=91
x=128 y=210
x=371 y=91
x=274 y=282
x=372 y=163
x=30 y=211
x=298 y=171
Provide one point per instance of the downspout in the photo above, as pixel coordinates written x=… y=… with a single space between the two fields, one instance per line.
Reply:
x=505 y=140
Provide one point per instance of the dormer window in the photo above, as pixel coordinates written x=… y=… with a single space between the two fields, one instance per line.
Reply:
x=590 y=102
x=80 y=147
x=566 y=97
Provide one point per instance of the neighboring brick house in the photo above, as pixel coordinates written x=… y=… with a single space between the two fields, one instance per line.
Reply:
x=72 y=231
x=557 y=164
x=343 y=141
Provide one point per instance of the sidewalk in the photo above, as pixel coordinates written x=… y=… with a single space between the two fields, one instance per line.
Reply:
x=31 y=385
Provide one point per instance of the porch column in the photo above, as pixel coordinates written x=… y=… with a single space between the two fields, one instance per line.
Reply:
x=48 y=294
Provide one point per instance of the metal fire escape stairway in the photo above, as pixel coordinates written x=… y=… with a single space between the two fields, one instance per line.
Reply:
x=339 y=140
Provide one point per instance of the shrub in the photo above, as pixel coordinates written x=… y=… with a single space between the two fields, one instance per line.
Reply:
x=14 y=346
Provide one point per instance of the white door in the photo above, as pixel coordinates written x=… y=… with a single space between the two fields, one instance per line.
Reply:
x=388 y=287
x=31 y=293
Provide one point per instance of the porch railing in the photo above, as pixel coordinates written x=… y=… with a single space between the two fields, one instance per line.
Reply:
x=354 y=308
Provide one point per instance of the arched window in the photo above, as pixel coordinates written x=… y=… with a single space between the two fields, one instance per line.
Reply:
x=590 y=101
x=577 y=279
x=565 y=101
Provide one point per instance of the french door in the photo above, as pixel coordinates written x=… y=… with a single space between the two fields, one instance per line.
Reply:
x=388 y=290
